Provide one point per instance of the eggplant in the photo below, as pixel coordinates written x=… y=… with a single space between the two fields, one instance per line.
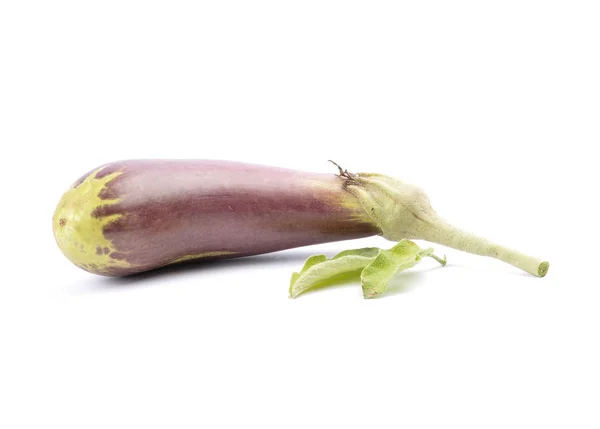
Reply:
x=132 y=216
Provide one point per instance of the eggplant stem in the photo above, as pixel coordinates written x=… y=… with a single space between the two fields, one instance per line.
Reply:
x=448 y=235
x=437 y=258
x=343 y=172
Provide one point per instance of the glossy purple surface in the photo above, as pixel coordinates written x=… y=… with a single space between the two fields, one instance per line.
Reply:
x=174 y=209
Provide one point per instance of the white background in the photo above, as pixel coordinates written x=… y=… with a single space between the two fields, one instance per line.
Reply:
x=492 y=107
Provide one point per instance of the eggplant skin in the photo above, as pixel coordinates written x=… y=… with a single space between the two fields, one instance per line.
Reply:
x=132 y=216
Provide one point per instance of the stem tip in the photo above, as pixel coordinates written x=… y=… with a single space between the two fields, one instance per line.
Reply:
x=543 y=269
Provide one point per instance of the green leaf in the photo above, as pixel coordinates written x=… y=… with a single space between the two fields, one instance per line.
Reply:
x=374 y=266
x=320 y=271
x=388 y=263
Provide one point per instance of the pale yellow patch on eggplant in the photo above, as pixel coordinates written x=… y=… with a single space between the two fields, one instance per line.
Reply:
x=201 y=256
x=79 y=234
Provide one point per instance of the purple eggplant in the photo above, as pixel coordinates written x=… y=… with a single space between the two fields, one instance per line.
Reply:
x=132 y=216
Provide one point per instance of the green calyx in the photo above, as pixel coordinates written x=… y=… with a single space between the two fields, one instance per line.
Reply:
x=401 y=210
